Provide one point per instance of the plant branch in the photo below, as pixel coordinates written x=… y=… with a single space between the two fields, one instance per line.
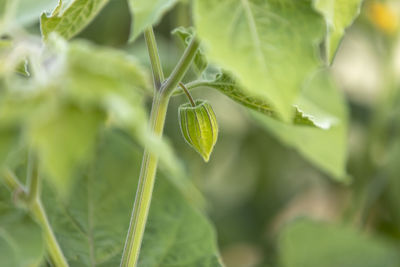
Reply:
x=148 y=170
x=192 y=85
x=158 y=74
x=182 y=67
x=53 y=248
x=189 y=96
x=12 y=182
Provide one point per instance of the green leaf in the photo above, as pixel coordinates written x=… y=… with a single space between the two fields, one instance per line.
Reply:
x=185 y=35
x=9 y=136
x=21 y=242
x=270 y=46
x=227 y=85
x=146 y=13
x=305 y=243
x=91 y=225
x=324 y=146
x=339 y=14
x=69 y=21
x=65 y=140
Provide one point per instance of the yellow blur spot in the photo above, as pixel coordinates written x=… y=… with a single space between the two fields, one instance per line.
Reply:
x=383 y=17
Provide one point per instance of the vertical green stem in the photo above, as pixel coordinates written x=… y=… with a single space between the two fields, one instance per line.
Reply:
x=158 y=74
x=145 y=187
x=149 y=163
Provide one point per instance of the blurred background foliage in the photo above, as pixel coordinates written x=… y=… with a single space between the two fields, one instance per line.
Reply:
x=256 y=187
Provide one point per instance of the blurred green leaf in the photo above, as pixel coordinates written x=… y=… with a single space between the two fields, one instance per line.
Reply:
x=21 y=243
x=91 y=225
x=326 y=146
x=305 y=243
x=339 y=14
x=12 y=59
x=146 y=13
x=185 y=35
x=9 y=136
x=65 y=140
x=271 y=47
x=69 y=21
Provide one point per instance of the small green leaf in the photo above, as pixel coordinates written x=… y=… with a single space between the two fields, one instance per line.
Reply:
x=69 y=21
x=146 y=13
x=325 y=146
x=270 y=46
x=185 y=35
x=305 y=243
x=91 y=225
x=199 y=127
x=339 y=14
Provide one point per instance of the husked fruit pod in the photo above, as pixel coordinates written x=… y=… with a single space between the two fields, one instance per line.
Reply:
x=199 y=127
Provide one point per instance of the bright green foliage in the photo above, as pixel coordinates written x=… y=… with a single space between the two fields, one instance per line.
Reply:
x=185 y=35
x=21 y=242
x=339 y=14
x=146 y=13
x=69 y=21
x=199 y=127
x=326 y=146
x=91 y=226
x=306 y=243
x=270 y=46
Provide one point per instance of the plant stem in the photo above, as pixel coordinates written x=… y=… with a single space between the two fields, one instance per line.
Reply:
x=12 y=181
x=149 y=163
x=145 y=187
x=158 y=74
x=32 y=178
x=53 y=248
x=189 y=96
x=182 y=67
x=37 y=211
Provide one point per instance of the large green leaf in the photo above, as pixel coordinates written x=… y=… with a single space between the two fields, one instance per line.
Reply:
x=92 y=225
x=21 y=242
x=306 y=243
x=69 y=20
x=270 y=46
x=65 y=139
x=339 y=14
x=146 y=13
x=325 y=146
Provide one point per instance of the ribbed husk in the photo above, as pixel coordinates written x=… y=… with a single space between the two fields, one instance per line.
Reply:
x=199 y=127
